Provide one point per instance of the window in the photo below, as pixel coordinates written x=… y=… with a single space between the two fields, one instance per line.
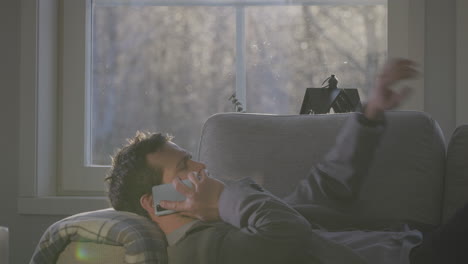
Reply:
x=162 y=67
x=167 y=68
x=265 y=51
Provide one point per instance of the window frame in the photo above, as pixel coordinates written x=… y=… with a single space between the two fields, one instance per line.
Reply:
x=41 y=185
x=40 y=118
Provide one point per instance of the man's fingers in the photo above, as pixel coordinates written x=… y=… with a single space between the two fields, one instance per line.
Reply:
x=410 y=73
x=181 y=187
x=397 y=98
x=193 y=178
x=173 y=205
x=203 y=174
x=405 y=92
x=404 y=62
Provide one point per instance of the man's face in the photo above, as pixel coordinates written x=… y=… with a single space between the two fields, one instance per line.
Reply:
x=174 y=161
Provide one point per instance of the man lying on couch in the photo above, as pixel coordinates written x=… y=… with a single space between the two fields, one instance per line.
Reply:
x=242 y=223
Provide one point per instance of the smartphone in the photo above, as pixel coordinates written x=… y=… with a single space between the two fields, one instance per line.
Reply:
x=167 y=192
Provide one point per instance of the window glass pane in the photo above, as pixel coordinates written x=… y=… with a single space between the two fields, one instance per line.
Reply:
x=158 y=69
x=291 y=48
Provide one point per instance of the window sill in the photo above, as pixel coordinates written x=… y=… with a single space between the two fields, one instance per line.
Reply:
x=60 y=205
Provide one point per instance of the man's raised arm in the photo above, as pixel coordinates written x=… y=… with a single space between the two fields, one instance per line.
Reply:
x=339 y=176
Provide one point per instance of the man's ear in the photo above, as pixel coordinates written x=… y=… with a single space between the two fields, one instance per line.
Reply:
x=146 y=201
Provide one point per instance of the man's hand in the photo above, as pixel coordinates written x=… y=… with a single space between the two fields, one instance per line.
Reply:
x=382 y=97
x=202 y=199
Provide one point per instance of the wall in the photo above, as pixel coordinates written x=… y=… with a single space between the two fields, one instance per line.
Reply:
x=462 y=61
x=439 y=75
x=25 y=230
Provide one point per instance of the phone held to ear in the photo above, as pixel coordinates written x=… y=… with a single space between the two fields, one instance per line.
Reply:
x=167 y=192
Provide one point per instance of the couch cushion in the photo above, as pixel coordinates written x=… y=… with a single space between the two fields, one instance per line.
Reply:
x=92 y=253
x=456 y=181
x=142 y=240
x=405 y=179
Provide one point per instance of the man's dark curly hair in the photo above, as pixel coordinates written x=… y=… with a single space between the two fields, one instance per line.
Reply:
x=130 y=176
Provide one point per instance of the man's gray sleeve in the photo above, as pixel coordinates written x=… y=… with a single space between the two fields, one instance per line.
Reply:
x=339 y=176
x=245 y=204
x=270 y=231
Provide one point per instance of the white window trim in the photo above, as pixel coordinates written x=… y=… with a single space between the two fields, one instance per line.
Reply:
x=39 y=116
x=77 y=176
x=39 y=97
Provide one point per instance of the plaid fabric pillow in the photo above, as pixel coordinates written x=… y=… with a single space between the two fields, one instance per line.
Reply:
x=143 y=240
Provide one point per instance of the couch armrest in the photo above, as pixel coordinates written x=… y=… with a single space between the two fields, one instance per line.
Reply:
x=142 y=240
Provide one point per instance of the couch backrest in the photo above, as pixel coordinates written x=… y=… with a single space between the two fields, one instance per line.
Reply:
x=456 y=179
x=405 y=180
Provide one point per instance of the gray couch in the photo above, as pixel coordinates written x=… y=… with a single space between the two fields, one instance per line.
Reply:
x=413 y=178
